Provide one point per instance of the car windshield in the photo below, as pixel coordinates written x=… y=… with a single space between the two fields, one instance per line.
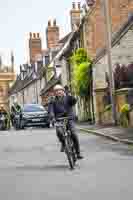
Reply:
x=33 y=108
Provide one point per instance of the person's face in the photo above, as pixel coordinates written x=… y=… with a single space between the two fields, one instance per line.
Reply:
x=59 y=93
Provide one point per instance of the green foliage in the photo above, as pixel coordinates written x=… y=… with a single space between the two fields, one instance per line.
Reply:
x=79 y=56
x=107 y=108
x=124 y=112
x=81 y=68
x=125 y=108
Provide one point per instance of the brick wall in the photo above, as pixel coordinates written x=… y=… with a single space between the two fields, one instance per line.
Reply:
x=95 y=26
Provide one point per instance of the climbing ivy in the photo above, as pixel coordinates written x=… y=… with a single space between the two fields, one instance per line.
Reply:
x=81 y=72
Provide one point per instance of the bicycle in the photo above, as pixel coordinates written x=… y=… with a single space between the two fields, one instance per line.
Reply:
x=69 y=147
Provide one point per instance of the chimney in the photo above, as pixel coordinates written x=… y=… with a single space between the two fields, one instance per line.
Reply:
x=52 y=35
x=90 y=3
x=35 y=46
x=75 y=15
x=30 y=35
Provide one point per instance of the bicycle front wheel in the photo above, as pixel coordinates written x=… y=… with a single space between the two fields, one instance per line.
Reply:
x=69 y=153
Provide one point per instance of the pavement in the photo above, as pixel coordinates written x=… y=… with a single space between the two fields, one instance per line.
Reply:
x=115 y=133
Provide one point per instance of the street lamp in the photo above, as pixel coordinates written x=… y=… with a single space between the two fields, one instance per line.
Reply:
x=108 y=48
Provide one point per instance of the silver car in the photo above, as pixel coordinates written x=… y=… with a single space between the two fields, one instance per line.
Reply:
x=34 y=115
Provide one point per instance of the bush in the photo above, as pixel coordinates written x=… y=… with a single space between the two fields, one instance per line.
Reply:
x=124 y=115
x=107 y=108
x=81 y=72
x=123 y=76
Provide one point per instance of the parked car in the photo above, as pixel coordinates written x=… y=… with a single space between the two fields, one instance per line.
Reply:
x=34 y=115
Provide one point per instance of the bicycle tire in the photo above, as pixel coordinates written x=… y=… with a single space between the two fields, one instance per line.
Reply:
x=69 y=153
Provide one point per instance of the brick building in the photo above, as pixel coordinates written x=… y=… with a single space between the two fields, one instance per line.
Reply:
x=94 y=25
x=7 y=77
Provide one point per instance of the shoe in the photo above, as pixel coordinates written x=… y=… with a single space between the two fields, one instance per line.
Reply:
x=62 y=148
x=79 y=157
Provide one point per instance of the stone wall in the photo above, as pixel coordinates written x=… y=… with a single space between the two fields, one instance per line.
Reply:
x=106 y=117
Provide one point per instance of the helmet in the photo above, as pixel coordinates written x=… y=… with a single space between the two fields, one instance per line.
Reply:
x=58 y=87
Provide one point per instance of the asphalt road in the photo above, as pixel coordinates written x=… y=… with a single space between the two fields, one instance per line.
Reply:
x=32 y=168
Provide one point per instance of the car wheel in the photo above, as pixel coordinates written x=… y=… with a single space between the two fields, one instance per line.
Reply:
x=22 y=127
x=48 y=125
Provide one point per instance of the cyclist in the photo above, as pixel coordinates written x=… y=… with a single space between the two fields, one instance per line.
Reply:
x=15 y=108
x=6 y=114
x=62 y=106
x=50 y=101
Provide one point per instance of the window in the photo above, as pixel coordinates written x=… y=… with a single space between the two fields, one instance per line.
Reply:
x=47 y=60
x=33 y=108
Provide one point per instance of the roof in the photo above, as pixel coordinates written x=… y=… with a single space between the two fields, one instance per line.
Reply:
x=65 y=38
x=29 y=78
x=67 y=45
x=52 y=82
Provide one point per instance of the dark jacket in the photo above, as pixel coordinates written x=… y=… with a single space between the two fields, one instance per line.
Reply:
x=62 y=107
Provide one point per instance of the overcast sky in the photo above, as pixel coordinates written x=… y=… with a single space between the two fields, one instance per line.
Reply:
x=19 y=17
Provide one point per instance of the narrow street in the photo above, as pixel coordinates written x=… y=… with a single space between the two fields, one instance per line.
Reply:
x=32 y=168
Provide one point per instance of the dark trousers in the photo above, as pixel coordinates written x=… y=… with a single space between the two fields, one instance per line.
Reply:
x=74 y=136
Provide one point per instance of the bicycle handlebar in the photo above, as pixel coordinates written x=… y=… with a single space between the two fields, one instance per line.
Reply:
x=62 y=118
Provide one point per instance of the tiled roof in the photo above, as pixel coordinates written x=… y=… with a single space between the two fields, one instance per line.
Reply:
x=65 y=38
x=21 y=84
x=68 y=44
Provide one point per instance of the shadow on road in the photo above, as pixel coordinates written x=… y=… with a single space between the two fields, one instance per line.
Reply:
x=60 y=167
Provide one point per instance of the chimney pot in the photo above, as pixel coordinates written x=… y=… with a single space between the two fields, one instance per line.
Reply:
x=73 y=5
x=79 y=6
x=34 y=35
x=49 y=23
x=54 y=23
x=38 y=35
x=30 y=35
x=90 y=2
